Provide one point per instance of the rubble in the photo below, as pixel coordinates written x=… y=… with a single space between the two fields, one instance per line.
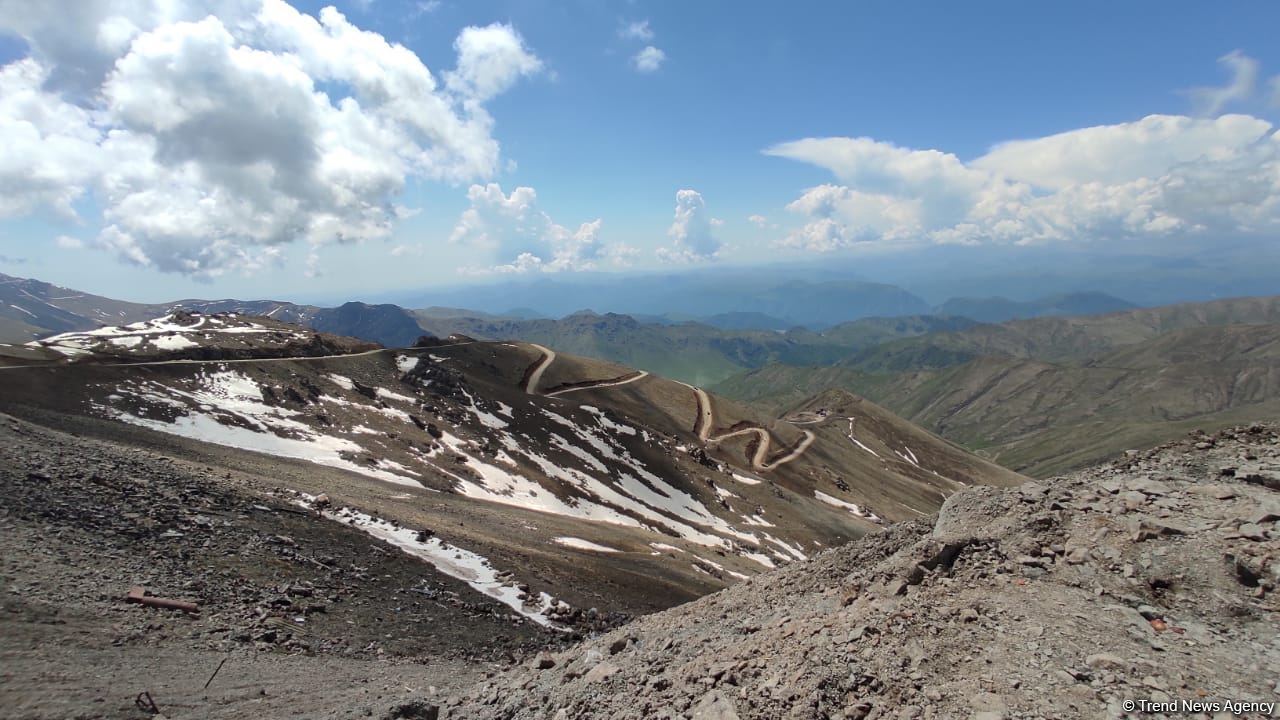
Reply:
x=1060 y=599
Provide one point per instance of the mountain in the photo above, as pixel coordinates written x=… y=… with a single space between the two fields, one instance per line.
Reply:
x=1064 y=339
x=1115 y=578
x=471 y=529
x=998 y=309
x=30 y=308
x=627 y=492
x=387 y=325
x=747 y=321
x=811 y=299
x=692 y=351
x=1047 y=395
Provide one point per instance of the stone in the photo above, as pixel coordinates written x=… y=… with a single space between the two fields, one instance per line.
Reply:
x=1149 y=529
x=714 y=706
x=1250 y=531
x=544 y=661
x=602 y=671
x=1217 y=492
x=1077 y=556
x=1104 y=661
x=987 y=706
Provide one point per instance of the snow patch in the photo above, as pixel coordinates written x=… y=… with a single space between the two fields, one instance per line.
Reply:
x=580 y=544
x=341 y=381
x=386 y=394
x=472 y=568
x=851 y=507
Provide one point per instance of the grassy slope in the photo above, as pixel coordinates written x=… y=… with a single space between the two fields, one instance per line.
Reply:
x=692 y=352
x=1041 y=417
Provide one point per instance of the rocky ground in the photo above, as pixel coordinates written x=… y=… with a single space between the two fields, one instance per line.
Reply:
x=312 y=618
x=1152 y=579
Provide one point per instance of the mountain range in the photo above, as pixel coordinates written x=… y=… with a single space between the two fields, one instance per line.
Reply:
x=1049 y=394
x=520 y=522
x=1039 y=395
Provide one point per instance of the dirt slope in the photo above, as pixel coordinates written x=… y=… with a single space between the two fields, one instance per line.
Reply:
x=1149 y=580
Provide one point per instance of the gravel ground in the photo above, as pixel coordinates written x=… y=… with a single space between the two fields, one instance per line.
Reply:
x=1150 y=580
x=298 y=606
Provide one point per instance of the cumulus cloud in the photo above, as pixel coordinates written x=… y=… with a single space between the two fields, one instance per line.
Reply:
x=1163 y=176
x=490 y=60
x=758 y=220
x=637 y=30
x=1244 y=78
x=524 y=238
x=1158 y=177
x=649 y=59
x=213 y=132
x=693 y=239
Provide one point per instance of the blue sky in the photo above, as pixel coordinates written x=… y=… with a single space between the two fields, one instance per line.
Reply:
x=596 y=138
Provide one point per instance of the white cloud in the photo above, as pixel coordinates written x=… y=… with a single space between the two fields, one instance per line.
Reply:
x=404 y=250
x=213 y=132
x=50 y=146
x=67 y=242
x=637 y=30
x=1244 y=78
x=490 y=60
x=1158 y=177
x=649 y=59
x=524 y=238
x=691 y=231
x=426 y=7
x=759 y=221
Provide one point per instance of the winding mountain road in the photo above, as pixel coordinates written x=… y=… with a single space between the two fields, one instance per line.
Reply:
x=548 y=355
x=760 y=459
x=613 y=382
x=702 y=426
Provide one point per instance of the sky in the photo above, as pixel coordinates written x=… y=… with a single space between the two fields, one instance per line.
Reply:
x=256 y=148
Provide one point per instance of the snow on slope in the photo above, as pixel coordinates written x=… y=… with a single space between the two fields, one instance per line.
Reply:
x=168 y=333
x=469 y=567
x=576 y=465
x=580 y=544
x=851 y=507
x=227 y=408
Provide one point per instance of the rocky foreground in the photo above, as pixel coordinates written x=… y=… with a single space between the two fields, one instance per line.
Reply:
x=1149 y=580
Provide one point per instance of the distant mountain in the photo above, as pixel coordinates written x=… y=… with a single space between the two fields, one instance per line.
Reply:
x=30 y=308
x=1046 y=395
x=1061 y=339
x=692 y=351
x=747 y=321
x=998 y=309
x=791 y=298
